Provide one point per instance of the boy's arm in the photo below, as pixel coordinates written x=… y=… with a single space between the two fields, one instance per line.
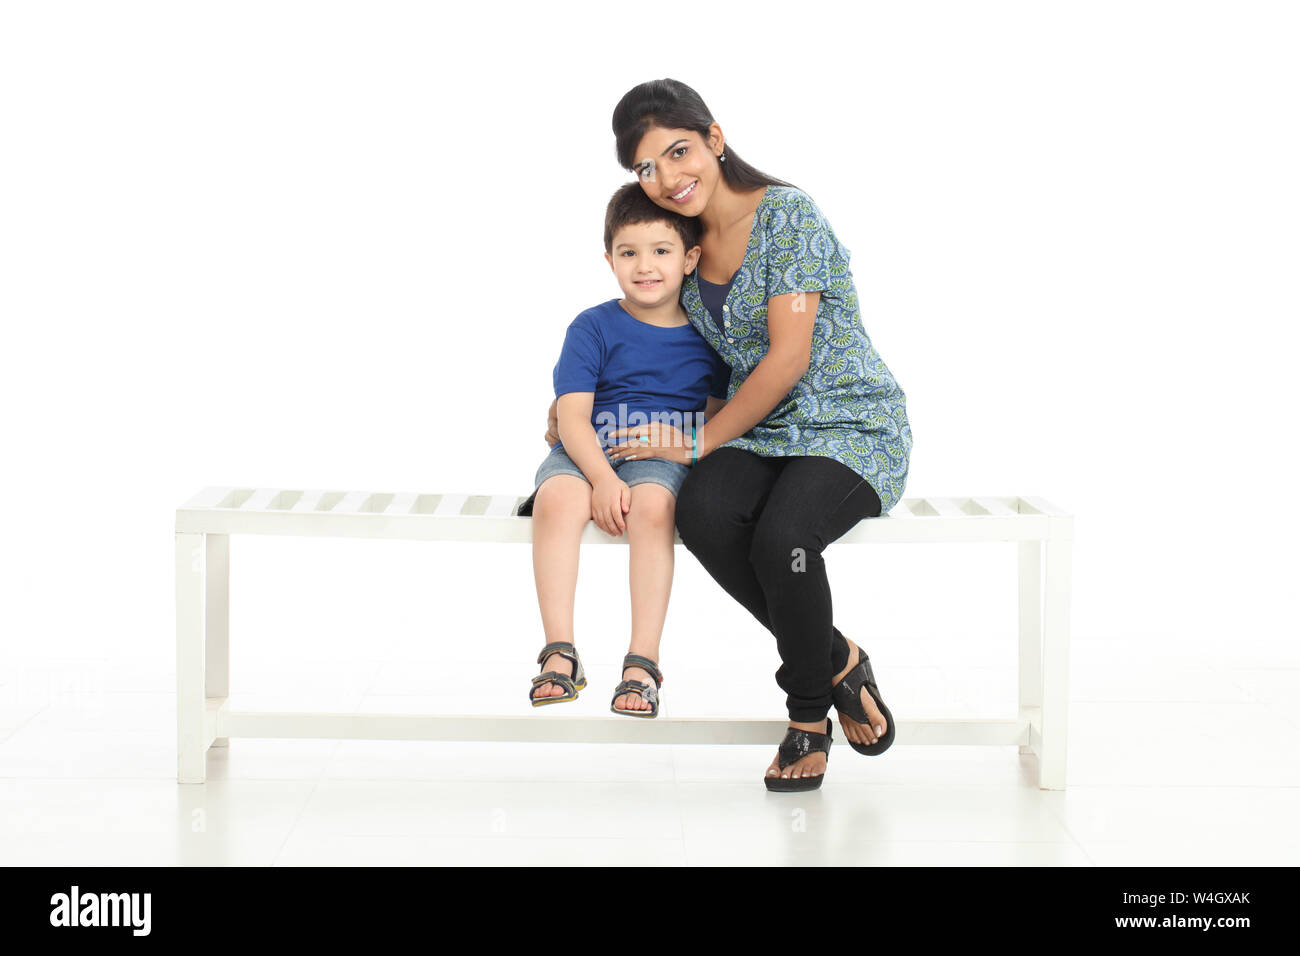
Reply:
x=579 y=437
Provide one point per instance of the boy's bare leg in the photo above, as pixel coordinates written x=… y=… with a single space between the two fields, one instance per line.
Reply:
x=561 y=511
x=650 y=527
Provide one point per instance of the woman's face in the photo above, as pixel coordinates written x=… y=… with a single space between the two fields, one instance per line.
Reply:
x=678 y=169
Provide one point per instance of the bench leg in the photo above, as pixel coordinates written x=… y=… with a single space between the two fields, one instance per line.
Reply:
x=1031 y=631
x=1056 y=654
x=217 y=617
x=190 y=701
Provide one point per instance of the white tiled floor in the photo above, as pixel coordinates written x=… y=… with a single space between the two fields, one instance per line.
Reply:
x=1174 y=759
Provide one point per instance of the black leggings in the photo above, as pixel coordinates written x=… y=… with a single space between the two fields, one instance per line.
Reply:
x=744 y=517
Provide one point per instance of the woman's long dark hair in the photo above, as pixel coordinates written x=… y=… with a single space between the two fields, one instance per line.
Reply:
x=671 y=104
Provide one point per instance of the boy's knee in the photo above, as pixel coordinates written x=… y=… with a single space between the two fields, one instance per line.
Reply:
x=652 y=505
x=563 y=493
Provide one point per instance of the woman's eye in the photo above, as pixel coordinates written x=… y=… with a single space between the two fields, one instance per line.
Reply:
x=679 y=149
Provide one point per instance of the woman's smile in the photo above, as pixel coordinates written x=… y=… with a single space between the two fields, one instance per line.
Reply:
x=684 y=195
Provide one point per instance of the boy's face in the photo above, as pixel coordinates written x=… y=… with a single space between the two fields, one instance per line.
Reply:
x=649 y=260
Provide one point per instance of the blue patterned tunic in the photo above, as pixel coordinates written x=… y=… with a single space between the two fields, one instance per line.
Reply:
x=847 y=405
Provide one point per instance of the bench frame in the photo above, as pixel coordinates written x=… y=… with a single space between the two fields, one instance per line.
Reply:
x=204 y=524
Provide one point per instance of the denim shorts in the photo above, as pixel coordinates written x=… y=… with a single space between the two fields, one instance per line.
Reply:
x=658 y=471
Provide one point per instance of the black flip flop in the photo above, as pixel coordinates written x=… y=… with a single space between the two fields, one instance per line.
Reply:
x=847 y=695
x=797 y=744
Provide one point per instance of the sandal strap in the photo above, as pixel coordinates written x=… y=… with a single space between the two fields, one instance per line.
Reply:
x=640 y=687
x=643 y=690
x=563 y=648
x=800 y=743
x=636 y=660
x=847 y=694
x=555 y=677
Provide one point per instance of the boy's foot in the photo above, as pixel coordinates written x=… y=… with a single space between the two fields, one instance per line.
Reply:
x=632 y=701
x=856 y=732
x=561 y=665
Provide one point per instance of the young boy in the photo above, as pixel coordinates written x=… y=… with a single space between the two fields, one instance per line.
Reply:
x=625 y=362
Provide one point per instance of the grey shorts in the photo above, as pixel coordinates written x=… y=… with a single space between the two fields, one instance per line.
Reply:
x=658 y=471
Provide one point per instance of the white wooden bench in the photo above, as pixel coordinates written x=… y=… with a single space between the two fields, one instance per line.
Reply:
x=204 y=524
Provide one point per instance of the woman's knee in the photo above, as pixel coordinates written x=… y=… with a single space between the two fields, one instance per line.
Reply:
x=714 y=502
x=778 y=549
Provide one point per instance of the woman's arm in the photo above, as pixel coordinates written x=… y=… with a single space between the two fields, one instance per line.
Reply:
x=790 y=321
x=552 y=424
x=712 y=406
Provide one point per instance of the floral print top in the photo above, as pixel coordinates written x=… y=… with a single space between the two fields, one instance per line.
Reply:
x=847 y=405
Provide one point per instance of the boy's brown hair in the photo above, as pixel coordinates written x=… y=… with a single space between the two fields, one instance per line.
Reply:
x=630 y=205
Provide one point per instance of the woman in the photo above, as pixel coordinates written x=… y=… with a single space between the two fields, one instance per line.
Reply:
x=814 y=437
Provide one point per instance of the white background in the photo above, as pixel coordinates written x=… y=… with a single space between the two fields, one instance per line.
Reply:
x=324 y=245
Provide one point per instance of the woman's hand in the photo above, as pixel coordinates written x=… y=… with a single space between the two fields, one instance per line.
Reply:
x=611 y=498
x=552 y=425
x=665 y=441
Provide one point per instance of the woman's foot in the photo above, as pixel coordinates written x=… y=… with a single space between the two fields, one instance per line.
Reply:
x=631 y=701
x=813 y=765
x=856 y=732
x=561 y=665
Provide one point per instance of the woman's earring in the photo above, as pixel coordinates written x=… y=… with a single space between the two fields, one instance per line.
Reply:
x=722 y=158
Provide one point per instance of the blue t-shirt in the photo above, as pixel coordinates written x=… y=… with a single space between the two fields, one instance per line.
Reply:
x=636 y=370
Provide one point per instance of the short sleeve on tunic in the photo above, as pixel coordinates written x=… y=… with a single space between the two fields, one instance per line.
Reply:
x=581 y=359
x=804 y=253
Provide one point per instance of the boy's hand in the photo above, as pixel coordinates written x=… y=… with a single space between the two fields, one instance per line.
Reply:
x=611 y=498
x=552 y=425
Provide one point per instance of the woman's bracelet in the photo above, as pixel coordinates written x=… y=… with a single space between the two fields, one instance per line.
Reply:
x=695 y=447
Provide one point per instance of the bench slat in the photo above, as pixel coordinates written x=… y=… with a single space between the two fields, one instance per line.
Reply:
x=209 y=497
x=351 y=503
x=995 y=507
x=947 y=507
x=502 y=506
x=450 y=505
x=901 y=509
x=260 y=499
x=403 y=503
x=309 y=501
x=1041 y=506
